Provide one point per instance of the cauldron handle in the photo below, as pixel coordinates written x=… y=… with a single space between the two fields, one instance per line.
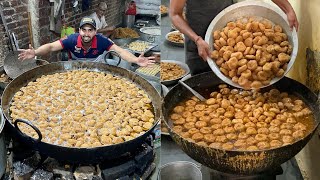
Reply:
x=114 y=53
x=30 y=124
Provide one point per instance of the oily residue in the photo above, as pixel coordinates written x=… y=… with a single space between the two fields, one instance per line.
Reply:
x=248 y=161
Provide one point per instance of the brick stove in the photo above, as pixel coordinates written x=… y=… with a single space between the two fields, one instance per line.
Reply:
x=24 y=164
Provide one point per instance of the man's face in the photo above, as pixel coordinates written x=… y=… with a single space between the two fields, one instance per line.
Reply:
x=101 y=12
x=87 y=32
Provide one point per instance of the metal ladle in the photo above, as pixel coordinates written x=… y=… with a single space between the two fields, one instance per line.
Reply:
x=199 y=96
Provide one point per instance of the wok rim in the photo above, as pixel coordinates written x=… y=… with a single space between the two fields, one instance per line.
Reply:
x=9 y=120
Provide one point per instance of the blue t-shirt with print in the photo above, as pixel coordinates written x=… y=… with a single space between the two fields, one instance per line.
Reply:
x=74 y=46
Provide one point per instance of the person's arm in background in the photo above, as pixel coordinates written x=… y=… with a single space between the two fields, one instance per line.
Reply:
x=42 y=50
x=176 y=10
x=141 y=60
x=105 y=28
x=291 y=15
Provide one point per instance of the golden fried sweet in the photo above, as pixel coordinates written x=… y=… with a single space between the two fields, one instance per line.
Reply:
x=206 y=130
x=216 y=145
x=202 y=143
x=221 y=139
x=299 y=134
x=227 y=146
x=252 y=148
x=251 y=141
x=197 y=136
x=240 y=143
x=263 y=145
x=275 y=143
x=163 y=9
x=177 y=129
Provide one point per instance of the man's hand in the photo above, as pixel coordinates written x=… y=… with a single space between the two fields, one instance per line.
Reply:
x=292 y=18
x=145 y=61
x=203 y=48
x=27 y=53
x=291 y=15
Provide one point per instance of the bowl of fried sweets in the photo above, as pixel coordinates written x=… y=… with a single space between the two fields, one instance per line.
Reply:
x=175 y=38
x=251 y=44
x=172 y=71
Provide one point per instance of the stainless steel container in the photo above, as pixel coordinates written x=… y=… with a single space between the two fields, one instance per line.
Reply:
x=123 y=41
x=251 y=9
x=129 y=20
x=179 y=170
x=3 y=152
x=151 y=34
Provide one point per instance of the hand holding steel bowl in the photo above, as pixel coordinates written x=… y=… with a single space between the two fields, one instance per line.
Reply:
x=221 y=66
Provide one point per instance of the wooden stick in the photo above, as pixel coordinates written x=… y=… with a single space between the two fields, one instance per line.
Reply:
x=30 y=30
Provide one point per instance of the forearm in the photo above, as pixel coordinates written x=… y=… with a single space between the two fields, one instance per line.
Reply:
x=102 y=30
x=284 y=5
x=127 y=55
x=183 y=27
x=106 y=29
x=50 y=47
x=176 y=11
x=42 y=50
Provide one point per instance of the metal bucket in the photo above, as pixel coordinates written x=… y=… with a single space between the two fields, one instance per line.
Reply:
x=180 y=170
x=129 y=20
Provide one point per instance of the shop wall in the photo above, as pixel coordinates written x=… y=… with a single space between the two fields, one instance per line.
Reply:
x=306 y=70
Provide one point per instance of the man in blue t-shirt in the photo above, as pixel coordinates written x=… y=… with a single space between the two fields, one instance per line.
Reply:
x=86 y=44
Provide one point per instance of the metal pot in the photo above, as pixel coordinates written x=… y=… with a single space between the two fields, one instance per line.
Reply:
x=3 y=151
x=180 y=170
x=129 y=20
x=237 y=162
x=71 y=154
x=151 y=34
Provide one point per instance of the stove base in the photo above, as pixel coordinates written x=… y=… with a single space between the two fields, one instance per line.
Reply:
x=217 y=175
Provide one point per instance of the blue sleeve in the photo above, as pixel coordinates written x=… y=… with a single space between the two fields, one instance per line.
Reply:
x=105 y=43
x=69 y=42
x=109 y=44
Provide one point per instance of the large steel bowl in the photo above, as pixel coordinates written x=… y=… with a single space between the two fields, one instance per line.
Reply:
x=245 y=9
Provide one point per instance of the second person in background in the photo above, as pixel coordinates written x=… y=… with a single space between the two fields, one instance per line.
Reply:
x=99 y=17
